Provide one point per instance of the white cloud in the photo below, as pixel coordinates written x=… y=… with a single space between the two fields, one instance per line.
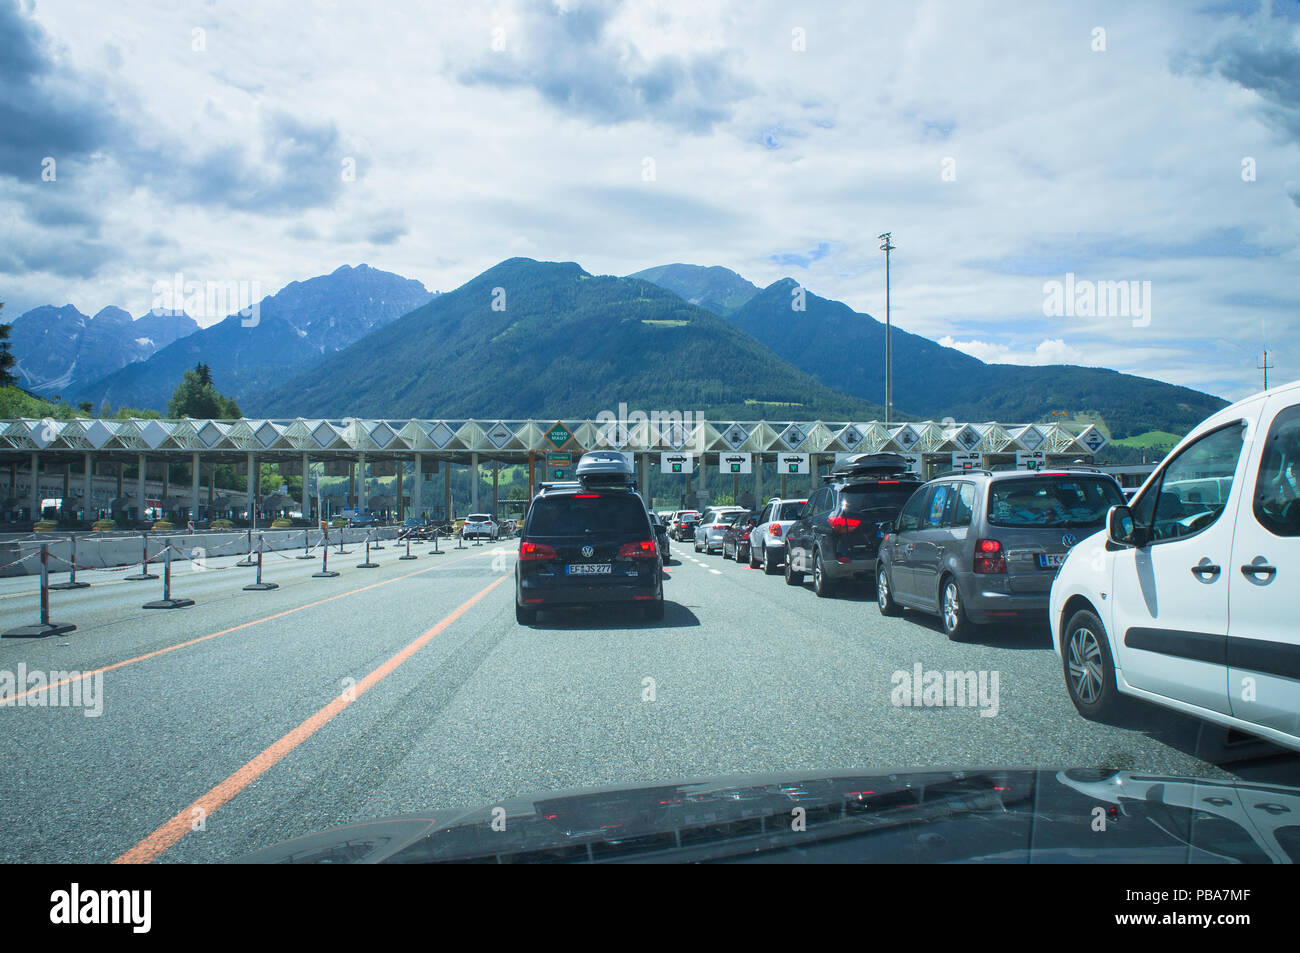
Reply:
x=1122 y=165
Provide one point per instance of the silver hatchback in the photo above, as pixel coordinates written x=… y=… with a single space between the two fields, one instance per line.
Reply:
x=977 y=547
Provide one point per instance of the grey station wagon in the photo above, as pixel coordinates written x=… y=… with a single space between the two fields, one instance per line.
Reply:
x=977 y=546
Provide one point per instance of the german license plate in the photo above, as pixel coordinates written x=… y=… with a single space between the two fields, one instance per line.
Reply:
x=590 y=569
x=1051 y=560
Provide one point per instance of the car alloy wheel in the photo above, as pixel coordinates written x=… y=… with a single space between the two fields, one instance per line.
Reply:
x=1085 y=665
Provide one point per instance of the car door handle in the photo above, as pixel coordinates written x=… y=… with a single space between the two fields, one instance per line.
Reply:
x=1206 y=569
x=1255 y=569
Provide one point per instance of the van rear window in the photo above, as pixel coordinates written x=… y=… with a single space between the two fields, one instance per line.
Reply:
x=1052 y=501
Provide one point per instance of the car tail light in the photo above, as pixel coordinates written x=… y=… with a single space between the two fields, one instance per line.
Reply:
x=989 y=557
x=774 y=529
x=745 y=536
x=645 y=548
x=586 y=496
x=844 y=524
x=529 y=550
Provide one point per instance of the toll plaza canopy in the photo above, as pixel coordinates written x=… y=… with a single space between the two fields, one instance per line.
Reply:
x=796 y=447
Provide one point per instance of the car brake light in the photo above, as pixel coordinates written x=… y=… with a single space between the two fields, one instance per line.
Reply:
x=644 y=548
x=887 y=482
x=844 y=524
x=529 y=550
x=989 y=557
x=586 y=496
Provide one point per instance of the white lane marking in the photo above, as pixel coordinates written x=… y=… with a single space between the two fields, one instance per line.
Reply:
x=716 y=572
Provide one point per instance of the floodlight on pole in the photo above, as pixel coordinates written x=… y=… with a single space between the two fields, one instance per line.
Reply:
x=887 y=246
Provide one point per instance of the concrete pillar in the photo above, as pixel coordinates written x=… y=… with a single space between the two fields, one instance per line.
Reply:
x=142 y=467
x=306 y=487
x=643 y=477
x=212 y=483
x=65 y=508
x=88 y=477
x=251 y=465
x=783 y=486
x=121 y=468
x=13 y=481
x=352 y=483
x=167 y=481
x=446 y=489
x=473 y=482
x=34 y=494
x=401 y=505
x=363 y=491
x=417 y=495
x=496 y=473
x=196 y=476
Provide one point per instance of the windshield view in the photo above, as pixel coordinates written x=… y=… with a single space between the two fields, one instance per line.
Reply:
x=613 y=431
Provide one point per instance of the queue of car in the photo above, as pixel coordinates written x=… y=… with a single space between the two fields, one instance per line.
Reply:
x=1180 y=593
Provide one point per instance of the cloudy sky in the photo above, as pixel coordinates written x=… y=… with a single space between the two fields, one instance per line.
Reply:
x=1004 y=145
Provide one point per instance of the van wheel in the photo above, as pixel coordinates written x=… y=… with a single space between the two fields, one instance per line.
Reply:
x=1088 y=667
x=885 y=594
x=525 y=615
x=792 y=578
x=953 y=612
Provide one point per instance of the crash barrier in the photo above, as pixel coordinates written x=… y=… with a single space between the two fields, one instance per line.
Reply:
x=142 y=551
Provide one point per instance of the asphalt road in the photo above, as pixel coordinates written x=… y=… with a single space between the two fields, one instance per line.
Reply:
x=253 y=717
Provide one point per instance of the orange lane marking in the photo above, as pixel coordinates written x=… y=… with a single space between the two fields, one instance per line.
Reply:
x=147 y=850
x=213 y=635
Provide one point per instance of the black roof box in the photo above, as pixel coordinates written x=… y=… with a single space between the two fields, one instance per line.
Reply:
x=604 y=467
x=870 y=464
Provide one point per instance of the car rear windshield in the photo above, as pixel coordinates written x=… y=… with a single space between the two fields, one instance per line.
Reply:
x=789 y=511
x=727 y=517
x=1052 y=501
x=603 y=515
x=478 y=517
x=886 y=498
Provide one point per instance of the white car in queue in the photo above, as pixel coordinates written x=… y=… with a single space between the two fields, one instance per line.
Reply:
x=767 y=538
x=1189 y=598
x=478 y=526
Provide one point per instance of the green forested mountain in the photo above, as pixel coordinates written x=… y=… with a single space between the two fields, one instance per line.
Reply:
x=845 y=351
x=719 y=289
x=545 y=339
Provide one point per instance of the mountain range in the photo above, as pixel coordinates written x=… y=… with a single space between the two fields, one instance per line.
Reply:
x=291 y=330
x=538 y=339
x=55 y=349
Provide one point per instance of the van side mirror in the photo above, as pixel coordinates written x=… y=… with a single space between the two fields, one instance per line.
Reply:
x=1122 y=529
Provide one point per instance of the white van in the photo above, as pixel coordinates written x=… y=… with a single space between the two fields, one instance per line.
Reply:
x=1190 y=597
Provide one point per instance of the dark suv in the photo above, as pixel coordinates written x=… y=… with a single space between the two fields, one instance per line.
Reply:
x=837 y=535
x=981 y=546
x=589 y=543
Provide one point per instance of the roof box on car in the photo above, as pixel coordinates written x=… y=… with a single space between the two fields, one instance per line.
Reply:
x=870 y=464
x=605 y=468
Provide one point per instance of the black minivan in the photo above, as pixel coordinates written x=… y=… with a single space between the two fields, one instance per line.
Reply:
x=589 y=543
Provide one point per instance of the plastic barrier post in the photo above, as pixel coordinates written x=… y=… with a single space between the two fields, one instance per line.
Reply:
x=408 y=550
x=167 y=602
x=306 y=546
x=260 y=586
x=144 y=572
x=434 y=551
x=325 y=571
x=379 y=542
x=367 y=564
x=45 y=626
x=248 y=560
x=72 y=572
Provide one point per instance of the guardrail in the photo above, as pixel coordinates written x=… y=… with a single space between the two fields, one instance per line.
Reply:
x=94 y=551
